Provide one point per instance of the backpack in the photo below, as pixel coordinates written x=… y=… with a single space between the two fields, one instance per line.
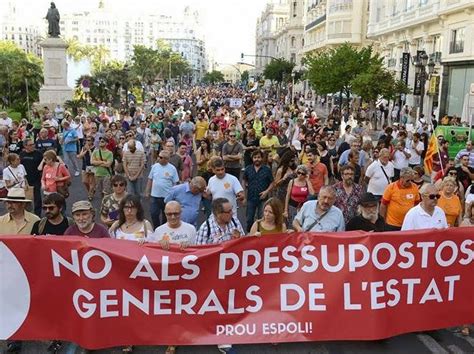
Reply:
x=42 y=224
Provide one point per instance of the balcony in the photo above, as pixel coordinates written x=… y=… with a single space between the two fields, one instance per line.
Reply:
x=315 y=22
x=436 y=56
x=456 y=47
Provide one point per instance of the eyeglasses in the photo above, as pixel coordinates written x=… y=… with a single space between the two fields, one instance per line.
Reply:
x=119 y=184
x=173 y=214
x=50 y=207
x=434 y=196
x=129 y=207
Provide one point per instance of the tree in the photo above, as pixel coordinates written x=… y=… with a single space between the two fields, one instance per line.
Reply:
x=97 y=55
x=278 y=70
x=245 y=76
x=334 y=70
x=213 y=77
x=19 y=70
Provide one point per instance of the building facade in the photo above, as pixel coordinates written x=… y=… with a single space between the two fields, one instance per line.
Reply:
x=329 y=23
x=444 y=30
x=271 y=22
x=120 y=32
x=23 y=33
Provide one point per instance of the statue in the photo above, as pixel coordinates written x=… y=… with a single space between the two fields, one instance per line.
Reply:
x=53 y=18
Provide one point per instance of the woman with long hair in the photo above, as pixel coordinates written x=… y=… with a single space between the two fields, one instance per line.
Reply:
x=250 y=143
x=284 y=174
x=203 y=155
x=272 y=221
x=325 y=157
x=131 y=224
x=88 y=177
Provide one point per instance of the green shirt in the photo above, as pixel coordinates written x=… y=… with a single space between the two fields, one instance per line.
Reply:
x=101 y=171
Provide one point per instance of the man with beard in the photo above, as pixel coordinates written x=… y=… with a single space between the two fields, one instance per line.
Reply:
x=259 y=181
x=84 y=215
x=369 y=218
x=348 y=193
x=54 y=223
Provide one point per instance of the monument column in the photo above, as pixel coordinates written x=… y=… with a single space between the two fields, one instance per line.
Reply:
x=55 y=89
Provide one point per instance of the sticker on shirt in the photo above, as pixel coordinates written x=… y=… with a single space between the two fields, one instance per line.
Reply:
x=167 y=174
x=410 y=196
x=226 y=185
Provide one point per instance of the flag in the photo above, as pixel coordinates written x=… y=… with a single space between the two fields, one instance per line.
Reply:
x=430 y=153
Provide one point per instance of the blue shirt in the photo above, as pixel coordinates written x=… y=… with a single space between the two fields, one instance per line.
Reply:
x=190 y=202
x=258 y=181
x=331 y=221
x=70 y=142
x=164 y=178
x=344 y=159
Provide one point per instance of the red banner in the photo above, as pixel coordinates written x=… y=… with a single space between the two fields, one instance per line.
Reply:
x=283 y=288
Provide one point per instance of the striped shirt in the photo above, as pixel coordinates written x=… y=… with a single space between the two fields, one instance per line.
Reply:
x=134 y=161
x=216 y=234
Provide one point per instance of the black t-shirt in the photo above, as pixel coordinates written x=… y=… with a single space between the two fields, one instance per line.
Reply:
x=360 y=223
x=46 y=144
x=463 y=177
x=31 y=161
x=50 y=229
x=15 y=147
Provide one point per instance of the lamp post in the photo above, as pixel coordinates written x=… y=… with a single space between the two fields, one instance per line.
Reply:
x=421 y=62
x=126 y=70
x=292 y=87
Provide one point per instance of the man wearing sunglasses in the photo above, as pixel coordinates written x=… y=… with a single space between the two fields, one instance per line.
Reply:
x=426 y=215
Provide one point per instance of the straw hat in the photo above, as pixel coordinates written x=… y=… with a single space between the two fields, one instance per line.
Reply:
x=16 y=195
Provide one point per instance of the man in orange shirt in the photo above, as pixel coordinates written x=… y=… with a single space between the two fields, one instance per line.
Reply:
x=318 y=172
x=398 y=198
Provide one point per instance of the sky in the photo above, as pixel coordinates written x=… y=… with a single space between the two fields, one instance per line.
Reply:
x=228 y=25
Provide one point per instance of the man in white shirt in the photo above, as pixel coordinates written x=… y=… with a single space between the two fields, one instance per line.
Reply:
x=174 y=230
x=5 y=120
x=416 y=148
x=224 y=185
x=426 y=215
x=379 y=174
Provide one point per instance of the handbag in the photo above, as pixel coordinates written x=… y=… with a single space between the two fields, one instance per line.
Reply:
x=64 y=188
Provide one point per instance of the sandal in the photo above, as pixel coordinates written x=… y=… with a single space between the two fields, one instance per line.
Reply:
x=128 y=349
x=171 y=349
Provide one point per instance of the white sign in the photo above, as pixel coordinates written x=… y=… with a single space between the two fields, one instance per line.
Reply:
x=235 y=102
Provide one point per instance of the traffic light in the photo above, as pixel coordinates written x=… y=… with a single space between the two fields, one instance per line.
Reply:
x=242 y=56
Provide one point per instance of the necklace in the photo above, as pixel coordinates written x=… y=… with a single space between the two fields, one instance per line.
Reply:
x=129 y=225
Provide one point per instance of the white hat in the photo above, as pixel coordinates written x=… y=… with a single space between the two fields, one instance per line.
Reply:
x=16 y=195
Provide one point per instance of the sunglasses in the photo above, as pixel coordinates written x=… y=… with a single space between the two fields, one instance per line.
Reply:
x=301 y=173
x=434 y=196
x=453 y=173
x=173 y=214
x=119 y=184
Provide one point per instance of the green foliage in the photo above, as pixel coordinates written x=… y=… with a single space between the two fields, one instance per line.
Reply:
x=150 y=64
x=245 y=76
x=347 y=70
x=278 y=70
x=17 y=69
x=98 y=55
x=213 y=77
x=74 y=105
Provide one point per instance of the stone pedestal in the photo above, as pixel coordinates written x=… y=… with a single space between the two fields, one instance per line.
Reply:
x=55 y=89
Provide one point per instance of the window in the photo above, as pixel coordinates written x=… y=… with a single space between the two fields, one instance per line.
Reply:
x=293 y=42
x=294 y=8
x=457 y=41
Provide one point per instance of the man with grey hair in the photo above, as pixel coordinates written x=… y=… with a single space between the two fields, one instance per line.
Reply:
x=320 y=215
x=398 y=198
x=189 y=196
x=426 y=215
x=368 y=218
x=379 y=173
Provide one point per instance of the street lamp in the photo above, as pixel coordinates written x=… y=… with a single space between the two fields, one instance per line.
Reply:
x=126 y=70
x=292 y=87
x=421 y=63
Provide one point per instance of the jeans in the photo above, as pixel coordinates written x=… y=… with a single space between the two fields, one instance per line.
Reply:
x=157 y=209
x=252 y=207
x=135 y=187
x=70 y=161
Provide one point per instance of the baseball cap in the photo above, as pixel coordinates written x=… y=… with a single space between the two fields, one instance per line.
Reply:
x=82 y=205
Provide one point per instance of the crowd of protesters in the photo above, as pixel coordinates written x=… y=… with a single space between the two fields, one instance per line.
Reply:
x=200 y=160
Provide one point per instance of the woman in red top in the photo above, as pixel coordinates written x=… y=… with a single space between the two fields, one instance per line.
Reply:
x=299 y=189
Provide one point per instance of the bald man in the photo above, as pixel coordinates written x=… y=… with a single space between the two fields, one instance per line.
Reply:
x=174 y=230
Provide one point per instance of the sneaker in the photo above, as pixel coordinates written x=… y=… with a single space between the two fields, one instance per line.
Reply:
x=77 y=173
